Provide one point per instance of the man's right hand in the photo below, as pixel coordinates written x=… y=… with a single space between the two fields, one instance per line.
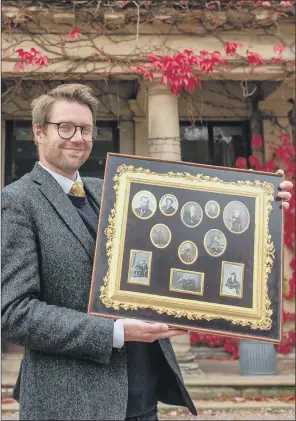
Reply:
x=138 y=331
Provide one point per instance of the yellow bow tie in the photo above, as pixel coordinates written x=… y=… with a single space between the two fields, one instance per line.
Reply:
x=77 y=189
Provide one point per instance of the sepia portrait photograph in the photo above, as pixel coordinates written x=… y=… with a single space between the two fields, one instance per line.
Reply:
x=215 y=242
x=232 y=277
x=144 y=204
x=160 y=235
x=187 y=252
x=187 y=281
x=140 y=267
x=236 y=217
x=168 y=204
x=191 y=214
x=212 y=209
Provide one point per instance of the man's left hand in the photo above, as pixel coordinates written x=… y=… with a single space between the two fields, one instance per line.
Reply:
x=285 y=195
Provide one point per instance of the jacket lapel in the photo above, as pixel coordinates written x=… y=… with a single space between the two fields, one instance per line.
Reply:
x=53 y=192
x=94 y=190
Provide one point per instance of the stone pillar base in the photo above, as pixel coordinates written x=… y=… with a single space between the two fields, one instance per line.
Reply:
x=191 y=369
x=185 y=355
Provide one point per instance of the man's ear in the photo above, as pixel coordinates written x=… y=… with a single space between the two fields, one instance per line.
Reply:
x=38 y=134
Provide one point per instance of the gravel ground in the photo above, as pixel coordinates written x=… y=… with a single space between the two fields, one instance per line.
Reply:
x=241 y=414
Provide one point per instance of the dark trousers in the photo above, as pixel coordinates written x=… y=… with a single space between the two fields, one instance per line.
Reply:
x=149 y=416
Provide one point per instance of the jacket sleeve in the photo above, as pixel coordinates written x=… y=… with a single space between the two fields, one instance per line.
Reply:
x=30 y=322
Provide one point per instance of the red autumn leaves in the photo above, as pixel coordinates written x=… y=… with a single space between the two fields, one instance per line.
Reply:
x=265 y=4
x=231 y=47
x=34 y=57
x=286 y=152
x=75 y=34
x=254 y=163
x=230 y=344
x=179 y=71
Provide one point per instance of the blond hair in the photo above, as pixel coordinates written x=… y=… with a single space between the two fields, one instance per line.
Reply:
x=72 y=92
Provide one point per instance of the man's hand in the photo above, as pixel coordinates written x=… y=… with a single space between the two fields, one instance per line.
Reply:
x=284 y=194
x=138 y=331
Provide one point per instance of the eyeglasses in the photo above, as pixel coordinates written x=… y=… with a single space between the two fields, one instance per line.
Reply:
x=67 y=131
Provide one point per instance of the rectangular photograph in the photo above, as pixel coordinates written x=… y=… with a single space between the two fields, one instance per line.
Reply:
x=140 y=267
x=232 y=279
x=187 y=281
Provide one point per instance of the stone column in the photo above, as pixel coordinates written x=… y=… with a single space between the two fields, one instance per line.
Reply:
x=127 y=136
x=120 y=108
x=163 y=123
x=141 y=136
x=139 y=106
x=164 y=143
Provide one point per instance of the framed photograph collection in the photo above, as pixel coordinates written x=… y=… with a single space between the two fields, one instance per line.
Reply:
x=194 y=246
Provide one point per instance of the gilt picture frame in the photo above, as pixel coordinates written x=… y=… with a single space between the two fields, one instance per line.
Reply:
x=195 y=246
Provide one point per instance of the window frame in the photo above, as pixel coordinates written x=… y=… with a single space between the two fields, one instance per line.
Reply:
x=246 y=130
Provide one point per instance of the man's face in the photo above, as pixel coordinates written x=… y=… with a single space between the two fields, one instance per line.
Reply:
x=144 y=202
x=235 y=212
x=212 y=208
x=192 y=208
x=60 y=155
x=168 y=202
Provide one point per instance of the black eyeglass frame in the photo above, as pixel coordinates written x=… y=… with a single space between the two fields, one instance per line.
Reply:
x=81 y=130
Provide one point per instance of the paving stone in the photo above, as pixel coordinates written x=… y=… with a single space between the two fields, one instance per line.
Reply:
x=213 y=392
x=277 y=392
x=250 y=392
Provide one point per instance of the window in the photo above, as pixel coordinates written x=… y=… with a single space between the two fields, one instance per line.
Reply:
x=215 y=143
x=21 y=152
x=107 y=141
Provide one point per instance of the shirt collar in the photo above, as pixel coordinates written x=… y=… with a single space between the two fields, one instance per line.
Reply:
x=64 y=182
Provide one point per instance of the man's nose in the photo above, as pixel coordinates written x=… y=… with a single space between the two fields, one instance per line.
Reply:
x=77 y=136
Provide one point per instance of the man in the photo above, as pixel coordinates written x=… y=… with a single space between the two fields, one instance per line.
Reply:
x=75 y=366
x=160 y=237
x=235 y=221
x=144 y=211
x=168 y=209
x=216 y=245
x=187 y=253
x=137 y=270
x=212 y=210
x=189 y=283
x=233 y=283
x=144 y=269
x=191 y=216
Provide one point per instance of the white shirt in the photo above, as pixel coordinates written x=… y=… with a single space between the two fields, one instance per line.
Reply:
x=66 y=184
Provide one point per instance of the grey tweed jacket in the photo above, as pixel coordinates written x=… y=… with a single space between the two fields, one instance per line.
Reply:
x=70 y=371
